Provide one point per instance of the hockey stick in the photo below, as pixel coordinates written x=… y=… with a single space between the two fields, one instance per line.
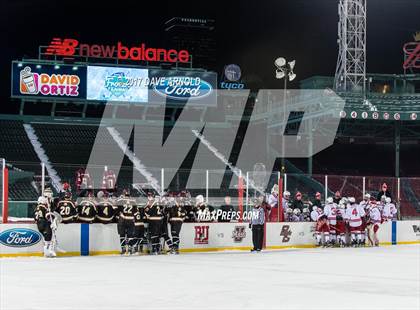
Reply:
x=54 y=225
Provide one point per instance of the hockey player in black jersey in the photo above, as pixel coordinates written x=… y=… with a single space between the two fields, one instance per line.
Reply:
x=139 y=229
x=189 y=207
x=126 y=210
x=86 y=209
x=166 y=203
x=105 y=209
x=154 y=215
x=42 y=218
x=176 y=218
x=66 y=209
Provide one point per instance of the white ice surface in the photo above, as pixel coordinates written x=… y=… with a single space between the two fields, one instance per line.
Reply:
x=366 y=278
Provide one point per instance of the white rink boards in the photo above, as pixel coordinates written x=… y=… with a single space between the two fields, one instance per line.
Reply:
x=96 y=239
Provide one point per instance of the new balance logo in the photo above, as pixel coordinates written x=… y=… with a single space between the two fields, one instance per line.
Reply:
x=66 y=47
x=416 y=228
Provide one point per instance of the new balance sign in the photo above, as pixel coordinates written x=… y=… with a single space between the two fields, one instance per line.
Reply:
x=71 y=47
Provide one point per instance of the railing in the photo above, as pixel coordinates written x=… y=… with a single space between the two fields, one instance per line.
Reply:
x=215 y=185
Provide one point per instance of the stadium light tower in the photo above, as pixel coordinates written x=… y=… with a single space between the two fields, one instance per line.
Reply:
x=284 y=71
x=350 y=73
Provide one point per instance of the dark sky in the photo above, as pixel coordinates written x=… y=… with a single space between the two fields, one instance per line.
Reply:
x=250 y=33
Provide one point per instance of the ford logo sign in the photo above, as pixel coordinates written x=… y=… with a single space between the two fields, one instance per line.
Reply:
x=183 y=87
x=20 y=237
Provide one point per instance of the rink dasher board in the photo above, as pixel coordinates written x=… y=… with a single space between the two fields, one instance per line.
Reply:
x=99 y=239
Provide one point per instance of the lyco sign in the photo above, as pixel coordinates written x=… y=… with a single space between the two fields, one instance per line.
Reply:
x=20 y=237
x=232 y=76
x=72 y=47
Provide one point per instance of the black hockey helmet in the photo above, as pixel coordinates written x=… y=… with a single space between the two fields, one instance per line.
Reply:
x=67 y=195
x=126 y=192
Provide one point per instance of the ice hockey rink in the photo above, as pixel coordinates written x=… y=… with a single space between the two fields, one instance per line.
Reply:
x=351 y=278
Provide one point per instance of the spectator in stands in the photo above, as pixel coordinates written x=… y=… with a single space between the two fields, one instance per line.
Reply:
x=337 y=197
x=226 y=208
x=286 y=203
x=317 y=201
x=298 y=203
x=383 y=192
x=273 y=201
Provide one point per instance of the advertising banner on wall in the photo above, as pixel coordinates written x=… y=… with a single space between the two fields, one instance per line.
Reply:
x=179 y=86
x=114 y=84
x=48 y=81
x=117 y=84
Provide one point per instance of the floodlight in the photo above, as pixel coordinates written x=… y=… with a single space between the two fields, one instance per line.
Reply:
x=292 y=76
x=280 y=62
x=292 y=64
x=279 y=74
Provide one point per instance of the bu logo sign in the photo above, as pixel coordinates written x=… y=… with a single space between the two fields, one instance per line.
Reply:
x=20 y=237
x=201 y=235
x=286 y=232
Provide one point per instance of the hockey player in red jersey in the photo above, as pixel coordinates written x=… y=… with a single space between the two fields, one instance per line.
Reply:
x=330 y=211
x=373 y=224
x=354 y=215
x=322 y=227
x=341 y=224
x=365 y=204
x=109 y=180
x=83 y=179
x=389 y=210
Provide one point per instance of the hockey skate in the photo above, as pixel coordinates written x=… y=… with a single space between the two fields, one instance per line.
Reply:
x=49 y=252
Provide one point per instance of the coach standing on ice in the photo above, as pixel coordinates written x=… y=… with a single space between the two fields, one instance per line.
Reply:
x=257 y=225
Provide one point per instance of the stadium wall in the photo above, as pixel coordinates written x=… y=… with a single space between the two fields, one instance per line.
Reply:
x=98 y=239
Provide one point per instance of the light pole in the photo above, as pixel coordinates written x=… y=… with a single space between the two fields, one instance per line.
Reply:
x=284 y=70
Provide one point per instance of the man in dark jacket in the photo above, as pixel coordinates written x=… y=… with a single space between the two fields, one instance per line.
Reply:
x=227 y=210
x=317 y=201
x=298 y=203
x=384 y=192
x=337 y=197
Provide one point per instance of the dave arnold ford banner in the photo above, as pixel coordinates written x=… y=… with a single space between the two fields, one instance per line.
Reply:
x=36 y=80
x=143 y=85
x=117 y=84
